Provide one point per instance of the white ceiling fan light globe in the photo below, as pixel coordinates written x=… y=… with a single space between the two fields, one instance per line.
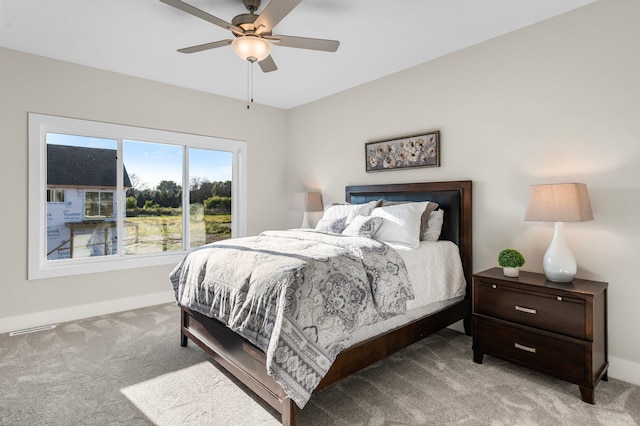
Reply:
x=251 y=48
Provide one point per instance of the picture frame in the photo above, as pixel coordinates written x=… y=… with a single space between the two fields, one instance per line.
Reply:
x=421 y=150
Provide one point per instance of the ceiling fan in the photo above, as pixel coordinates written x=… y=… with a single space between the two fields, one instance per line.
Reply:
x=253 y=33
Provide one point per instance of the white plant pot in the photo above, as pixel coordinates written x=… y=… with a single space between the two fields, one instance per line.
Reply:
x=511 y=272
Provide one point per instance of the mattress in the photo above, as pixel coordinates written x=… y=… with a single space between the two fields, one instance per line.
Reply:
x=436 y=274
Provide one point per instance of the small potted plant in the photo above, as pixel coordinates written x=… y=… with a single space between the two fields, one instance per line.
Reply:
x=511 y=260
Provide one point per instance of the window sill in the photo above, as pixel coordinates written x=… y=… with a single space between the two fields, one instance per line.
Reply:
x=60 y=268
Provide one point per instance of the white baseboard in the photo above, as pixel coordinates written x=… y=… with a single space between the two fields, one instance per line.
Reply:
x=624 y=370
x=73 y=313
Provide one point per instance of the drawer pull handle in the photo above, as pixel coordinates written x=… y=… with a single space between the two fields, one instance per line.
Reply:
x=526 y=310
x=525 y=348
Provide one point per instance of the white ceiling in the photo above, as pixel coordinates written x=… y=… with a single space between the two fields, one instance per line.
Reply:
x=378 y=38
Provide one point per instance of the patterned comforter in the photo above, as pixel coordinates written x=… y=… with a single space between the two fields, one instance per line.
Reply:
x=297 y=295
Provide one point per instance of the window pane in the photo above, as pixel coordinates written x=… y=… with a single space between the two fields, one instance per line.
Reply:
x=153 y=193
x=76 y=168
x=55 y=195
x=210 y=174
x=91 y=204
x=106 y=204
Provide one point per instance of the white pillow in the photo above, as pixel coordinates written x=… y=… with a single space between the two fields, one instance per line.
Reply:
x=350 y=211
x=363 y=226
x=431 y=206
x=434 y=226
x=401 y=224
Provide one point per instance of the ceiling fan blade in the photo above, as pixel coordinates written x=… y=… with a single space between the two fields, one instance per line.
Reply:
x=178 y=4
x=305 y=43
x=275 y=11
x=267 y=64
x=206 y=46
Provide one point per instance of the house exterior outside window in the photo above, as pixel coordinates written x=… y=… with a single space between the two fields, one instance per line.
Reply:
x=85 y=224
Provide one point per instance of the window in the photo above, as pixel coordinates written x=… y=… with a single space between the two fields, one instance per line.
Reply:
x=55 y=196
x=98 y=204
x=106 y=196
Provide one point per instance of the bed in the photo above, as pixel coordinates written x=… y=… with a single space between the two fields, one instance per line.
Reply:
x=248 y=363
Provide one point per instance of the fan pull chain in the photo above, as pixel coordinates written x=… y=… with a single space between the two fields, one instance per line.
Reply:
x=252 y=67
x=249 y=82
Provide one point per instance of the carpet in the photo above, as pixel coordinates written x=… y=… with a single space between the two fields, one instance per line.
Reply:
x=128 y=368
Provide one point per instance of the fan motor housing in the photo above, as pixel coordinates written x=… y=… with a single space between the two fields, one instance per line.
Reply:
x=245 y=21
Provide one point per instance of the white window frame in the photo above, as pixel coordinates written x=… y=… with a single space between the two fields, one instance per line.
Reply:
x=41 y=124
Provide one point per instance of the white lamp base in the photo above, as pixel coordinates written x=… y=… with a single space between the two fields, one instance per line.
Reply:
x=305 y=221
x=558 y=264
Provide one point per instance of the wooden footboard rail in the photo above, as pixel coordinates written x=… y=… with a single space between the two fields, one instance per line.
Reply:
x=239 y=357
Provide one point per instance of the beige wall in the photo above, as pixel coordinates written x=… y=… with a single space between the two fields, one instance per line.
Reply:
x=555 y=102
x=30 y=83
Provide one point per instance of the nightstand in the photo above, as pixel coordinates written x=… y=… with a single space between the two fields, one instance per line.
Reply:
x=556 y=328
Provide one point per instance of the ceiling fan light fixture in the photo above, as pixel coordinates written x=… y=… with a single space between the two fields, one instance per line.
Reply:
x=251 y=48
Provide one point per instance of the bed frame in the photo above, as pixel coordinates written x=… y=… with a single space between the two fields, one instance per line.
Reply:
x=248 y=363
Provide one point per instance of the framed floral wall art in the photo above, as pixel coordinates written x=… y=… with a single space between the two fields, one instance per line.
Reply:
x=421 y=150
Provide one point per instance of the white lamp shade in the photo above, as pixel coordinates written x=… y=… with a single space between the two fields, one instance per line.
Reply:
x=251 y=48
x=561 y=202
x=565 y=202
x=306 y=202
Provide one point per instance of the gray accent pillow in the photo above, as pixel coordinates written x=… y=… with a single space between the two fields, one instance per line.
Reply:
x=363 y=226
x=436 y=220
x=332 y=226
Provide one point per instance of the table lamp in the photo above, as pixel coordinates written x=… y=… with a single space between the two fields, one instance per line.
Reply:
x=559 y=203
x=306 y=202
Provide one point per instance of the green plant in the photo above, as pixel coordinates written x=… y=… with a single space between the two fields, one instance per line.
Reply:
x=219 y=204
x=150 y=204
x=510 y=258
x=132 y=203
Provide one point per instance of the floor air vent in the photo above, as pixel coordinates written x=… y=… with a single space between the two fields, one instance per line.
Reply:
x=32 y=330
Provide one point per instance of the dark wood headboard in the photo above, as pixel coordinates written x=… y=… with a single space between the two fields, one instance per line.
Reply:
x=453 y=197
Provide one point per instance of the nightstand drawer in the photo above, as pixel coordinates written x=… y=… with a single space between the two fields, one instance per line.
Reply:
x=560 y=358
x=550 y=312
